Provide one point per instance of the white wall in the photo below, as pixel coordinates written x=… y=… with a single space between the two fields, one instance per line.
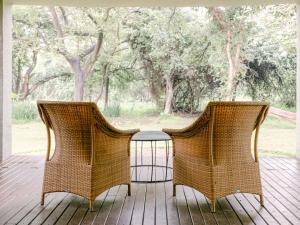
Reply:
x=5 y=79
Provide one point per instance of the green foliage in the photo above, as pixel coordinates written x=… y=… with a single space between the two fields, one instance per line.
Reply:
x=149 y=54
x=24 y=111
x=112 y=110
x=139 y=109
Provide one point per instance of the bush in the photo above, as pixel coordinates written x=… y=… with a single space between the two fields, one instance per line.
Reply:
x=24 y=111
x=139 y=109
x=112 y=110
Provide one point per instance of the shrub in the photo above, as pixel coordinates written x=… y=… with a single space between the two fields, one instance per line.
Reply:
x=112 y=110
x=24 y=111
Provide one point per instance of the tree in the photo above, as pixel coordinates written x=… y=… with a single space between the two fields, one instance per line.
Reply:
x=27 y=46
x=231 y=23
x=179 y=58
x=172 y=52
x=88 y=55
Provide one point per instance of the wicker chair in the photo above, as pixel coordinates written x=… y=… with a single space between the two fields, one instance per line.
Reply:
x=90 y=155
x=213 y=155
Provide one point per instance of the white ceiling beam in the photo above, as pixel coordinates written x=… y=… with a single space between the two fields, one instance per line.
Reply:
x=149 y=3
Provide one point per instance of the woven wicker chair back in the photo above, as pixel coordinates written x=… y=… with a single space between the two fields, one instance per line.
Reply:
x=232 y=130
x=71 y=124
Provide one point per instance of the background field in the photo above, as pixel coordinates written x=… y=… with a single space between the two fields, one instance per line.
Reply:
x=277 y=137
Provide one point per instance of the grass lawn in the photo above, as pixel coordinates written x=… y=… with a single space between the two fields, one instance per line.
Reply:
x=277 y=137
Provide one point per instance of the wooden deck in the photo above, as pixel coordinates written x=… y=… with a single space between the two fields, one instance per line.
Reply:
x=20 y=188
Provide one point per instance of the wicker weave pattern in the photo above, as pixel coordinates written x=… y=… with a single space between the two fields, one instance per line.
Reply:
x=213 y=155
x=90 y=155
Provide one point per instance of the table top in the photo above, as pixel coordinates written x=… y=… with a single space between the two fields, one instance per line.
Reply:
x=151 y=136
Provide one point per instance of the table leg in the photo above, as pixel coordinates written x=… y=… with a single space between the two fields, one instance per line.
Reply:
x=141 y=152
x=155 y=160
x=167 y=158
x=152 y=162
x=155 y=153
x=136 y=160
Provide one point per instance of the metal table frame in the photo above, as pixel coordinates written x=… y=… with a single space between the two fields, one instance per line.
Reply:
x=157 y=136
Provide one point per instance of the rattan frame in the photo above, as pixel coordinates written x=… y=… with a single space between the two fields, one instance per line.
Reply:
x=90 y=155
x=213 y=155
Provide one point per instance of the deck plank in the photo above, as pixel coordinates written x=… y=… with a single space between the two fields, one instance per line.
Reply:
x=240 y=211
x=250 y=210
x=228 y=212
x=205 y=208
x=149 y=213
x=91 y=215
x=45 y=213
x=107 y=206
x=80 y=213
x=70 y=211
x=160 y=204
x=196 y=213
x=171 y=204
x=137 y=217
x=129 y=203
x=21 y=181
x=183 y=210
x=260 y=210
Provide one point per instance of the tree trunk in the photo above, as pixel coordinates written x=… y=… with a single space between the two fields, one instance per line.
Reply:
x=231 y=74
x=169 y=96
x=25 y=88
x=18 y=79
x=234 y=92
x=92 y=54
x=79 y=79
x=230 y=78
x=155 y=94
x=233 y=67
x=99 y=96
x=79 y=87
x=105 y=69
x=106 y=92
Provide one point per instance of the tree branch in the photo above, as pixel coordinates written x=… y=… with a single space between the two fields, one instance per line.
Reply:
x=41 y=82
x=171 y=17
x=33 y=65
x=56 y=23
x=93 y=55
x=63 y=12
x=57 y=26
x=218 y=17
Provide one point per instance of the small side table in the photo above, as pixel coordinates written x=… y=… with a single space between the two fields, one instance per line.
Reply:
x=153 y=137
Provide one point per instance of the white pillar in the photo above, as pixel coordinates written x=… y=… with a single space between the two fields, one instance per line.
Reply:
x=5 y=79
x=298 y=85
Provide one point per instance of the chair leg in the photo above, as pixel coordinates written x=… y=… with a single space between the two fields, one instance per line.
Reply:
x=129 y=189
x=43 y=199
x=174 y=190
x=261 y=199
x=213 y=206
x=91 y=205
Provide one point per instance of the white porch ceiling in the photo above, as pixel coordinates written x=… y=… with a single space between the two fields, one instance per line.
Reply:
x=148 y=3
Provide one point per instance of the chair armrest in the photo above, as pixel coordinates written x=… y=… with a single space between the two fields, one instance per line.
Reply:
x=115 y=132
x=102 y=124
x=191 y=130
x=175 y=132
x=129 y=132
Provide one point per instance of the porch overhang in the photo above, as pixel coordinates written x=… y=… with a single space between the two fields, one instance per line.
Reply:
x=149 y=3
